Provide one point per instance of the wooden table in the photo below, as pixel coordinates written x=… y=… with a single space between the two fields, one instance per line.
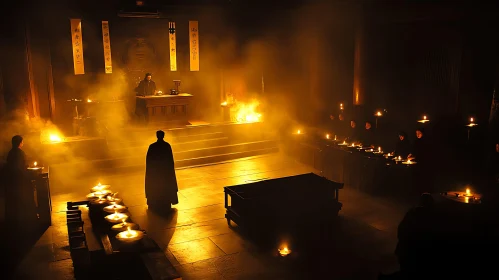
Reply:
x=160 y=108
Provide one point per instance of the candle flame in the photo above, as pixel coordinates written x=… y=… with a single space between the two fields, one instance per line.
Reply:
x=379 y=149
x=379 y=114
x=327 y=136
x=89 y=100
x=335 y=138
x=424 y=117
x=400 y=157
x=468 y=192
x=284 y=251
x=299 y=131
x=472 y=120
x=35 y=163
x=224 y=103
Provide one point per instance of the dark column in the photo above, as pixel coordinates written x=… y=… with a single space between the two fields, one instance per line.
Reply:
x=359 y=67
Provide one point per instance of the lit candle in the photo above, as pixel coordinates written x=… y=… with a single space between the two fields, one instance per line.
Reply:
x=327 y=136
x=379 y=149
x=471 y=120
x=400 y=158
x=378 y=114
x=468 y=192
x=335 y=138
x=284 y=251
x=424 y=117
x=299 y=131
x=35 y=163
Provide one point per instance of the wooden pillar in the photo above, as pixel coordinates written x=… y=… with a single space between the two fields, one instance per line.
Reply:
x=359 y=65
x=32 y=98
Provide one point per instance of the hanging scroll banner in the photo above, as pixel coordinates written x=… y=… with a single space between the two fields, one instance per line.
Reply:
x=173 y=46
x=194 y=45
x=106 y=39
x=79 y=66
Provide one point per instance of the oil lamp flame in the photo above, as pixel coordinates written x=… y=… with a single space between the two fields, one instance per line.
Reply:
x=130 y=233
x=35 y=163
x=424 y=117
x=284 y=251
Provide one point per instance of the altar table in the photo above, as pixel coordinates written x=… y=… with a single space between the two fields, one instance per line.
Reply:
x=160 y=108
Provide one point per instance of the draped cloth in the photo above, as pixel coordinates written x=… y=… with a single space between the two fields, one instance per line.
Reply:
x=161 y=182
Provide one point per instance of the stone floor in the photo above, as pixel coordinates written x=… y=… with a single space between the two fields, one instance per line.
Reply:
x=198 y=241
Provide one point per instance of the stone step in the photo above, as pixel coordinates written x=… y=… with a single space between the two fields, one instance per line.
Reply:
x=146 y=141
x=124 y=151
x=192 y=162
x=183 y=158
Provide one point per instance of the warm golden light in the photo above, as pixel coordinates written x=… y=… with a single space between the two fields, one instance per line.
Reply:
x=466 y=200
x=89 y=100
x=379 y=149
x=400 y=158
x=55 y=138
x=35 y=163
x=284 y=251
x=224 y=103
x=247 y=112
x=379 y=114
x=299 y=131
x=424 y=118
x=327 y=136
x=468 y=192
x=472 y=120
x=335 y=138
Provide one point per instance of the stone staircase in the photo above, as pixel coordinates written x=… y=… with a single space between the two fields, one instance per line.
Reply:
x=125 y=151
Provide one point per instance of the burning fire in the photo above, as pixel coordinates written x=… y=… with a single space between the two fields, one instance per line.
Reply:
x=54 y=138
x=247 y=112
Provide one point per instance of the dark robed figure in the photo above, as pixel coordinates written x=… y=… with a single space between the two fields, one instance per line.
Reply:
x=161 y=182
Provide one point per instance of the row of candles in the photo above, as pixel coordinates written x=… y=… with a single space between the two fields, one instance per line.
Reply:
x=378 y=151
x=102 y=195
x=424 y=119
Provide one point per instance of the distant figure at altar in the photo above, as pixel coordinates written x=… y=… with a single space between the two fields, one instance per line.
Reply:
x=146 y=87
x=161 y=182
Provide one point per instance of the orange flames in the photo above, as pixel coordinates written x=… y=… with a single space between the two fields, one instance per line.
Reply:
x=246 y=112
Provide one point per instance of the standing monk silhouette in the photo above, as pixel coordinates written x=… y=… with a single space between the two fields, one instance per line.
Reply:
x=161 y=182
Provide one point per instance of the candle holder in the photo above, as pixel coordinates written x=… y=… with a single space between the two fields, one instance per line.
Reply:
x=114 y=208
x=124 y=226
x=99 y=188
x=284 y=251
x=424 y=119
x=98 y=194
x=35 y=168
x=116 y=218
x=130 y=235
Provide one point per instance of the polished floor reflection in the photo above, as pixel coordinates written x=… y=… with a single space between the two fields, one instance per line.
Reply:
x=197 y=240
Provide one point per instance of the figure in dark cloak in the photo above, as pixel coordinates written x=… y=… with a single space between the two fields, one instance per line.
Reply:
x=493 y=167
x=368 y=135
x=147 y=86
x=353 y=133
x=417 y=240
x=20 y=205
x=420 y=150
x=403 y=146
x=161 y=182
